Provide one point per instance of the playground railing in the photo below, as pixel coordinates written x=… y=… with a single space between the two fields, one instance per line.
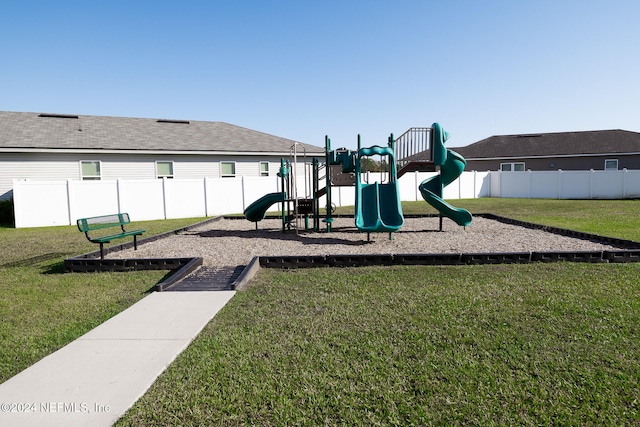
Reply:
x=413 y=145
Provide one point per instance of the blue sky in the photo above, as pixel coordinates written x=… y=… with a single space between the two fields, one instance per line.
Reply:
x=303 y=69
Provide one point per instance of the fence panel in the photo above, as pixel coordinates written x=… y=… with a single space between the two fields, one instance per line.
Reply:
x=495 y=177
x=40 y=204
x=541 y=185
x=607 y=185
x=185 y=198
x=573 y=184
x=143 y=199
x=65 y=201
x=92 y=198
x=224 y=196
x=631 y=183
x=483 y=184
x=517 y=184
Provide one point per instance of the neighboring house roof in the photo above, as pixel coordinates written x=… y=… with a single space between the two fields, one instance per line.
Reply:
x=51 y=132
x=553 y=145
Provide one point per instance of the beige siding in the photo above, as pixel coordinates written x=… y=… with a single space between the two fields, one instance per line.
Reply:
x=139 y=167
x=35 y=166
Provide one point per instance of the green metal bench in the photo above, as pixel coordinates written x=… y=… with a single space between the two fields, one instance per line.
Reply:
x=105 y=222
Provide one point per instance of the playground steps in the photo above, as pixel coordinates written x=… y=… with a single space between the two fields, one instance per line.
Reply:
x=321 y=192
x=208 y=279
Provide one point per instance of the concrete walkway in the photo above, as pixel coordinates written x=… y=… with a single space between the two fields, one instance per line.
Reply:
x=95 y=379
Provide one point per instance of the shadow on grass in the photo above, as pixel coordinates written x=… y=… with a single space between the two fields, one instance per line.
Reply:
x=33 y=261
x=58 y=268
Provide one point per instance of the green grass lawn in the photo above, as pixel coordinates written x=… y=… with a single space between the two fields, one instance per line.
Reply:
x=485 y=345
x=535 y=344
x=42 y=308
x=538 y=344
x=613 y=218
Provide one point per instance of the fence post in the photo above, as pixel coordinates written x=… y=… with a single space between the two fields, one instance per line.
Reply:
x=559 y=184
x=164 y=197
x=70 y=207
x=242 y=184
x=118 y=195
x=624 y=183
x=475 y=179
x=490 y=175
x=529 y=184
x=15 y=193
x=591 y=173
x=204 y=188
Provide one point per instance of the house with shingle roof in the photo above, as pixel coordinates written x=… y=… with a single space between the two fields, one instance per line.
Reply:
x=44 y=146
x=597 y=150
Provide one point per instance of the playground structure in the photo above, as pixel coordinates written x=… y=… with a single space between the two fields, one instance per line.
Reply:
x=377 y=203
x=294 y=206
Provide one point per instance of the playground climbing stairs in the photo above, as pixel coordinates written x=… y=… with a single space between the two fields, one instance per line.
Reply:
x=413 y=151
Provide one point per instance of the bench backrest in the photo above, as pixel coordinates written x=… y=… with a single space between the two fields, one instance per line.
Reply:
x=105 y=221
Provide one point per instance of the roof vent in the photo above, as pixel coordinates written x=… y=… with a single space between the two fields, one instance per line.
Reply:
x=184 y=122
x=58 y=116
x=533 y=135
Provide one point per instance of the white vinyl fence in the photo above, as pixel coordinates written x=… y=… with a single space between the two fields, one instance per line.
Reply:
x=623 y=184
x=51 y=203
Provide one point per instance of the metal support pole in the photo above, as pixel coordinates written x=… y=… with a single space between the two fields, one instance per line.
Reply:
x=327 y=148
x=316 y=202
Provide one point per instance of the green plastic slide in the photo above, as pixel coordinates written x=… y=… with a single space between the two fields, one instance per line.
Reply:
x=378 y=207
x=257 y=210
x=451 y=166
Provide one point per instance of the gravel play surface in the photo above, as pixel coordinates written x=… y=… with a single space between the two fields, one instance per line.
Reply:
x=232 y=242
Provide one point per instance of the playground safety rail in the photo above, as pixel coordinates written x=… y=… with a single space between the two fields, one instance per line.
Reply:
x=414 y=144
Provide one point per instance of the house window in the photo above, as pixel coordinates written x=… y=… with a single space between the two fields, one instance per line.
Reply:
x=611 y=165
x=227 y=169
x=90 y=170
x=164 y=169
x=264 y=168
x=512 y=167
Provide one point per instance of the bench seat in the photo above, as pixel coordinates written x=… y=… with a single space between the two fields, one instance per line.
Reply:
x=108 y=239
x=106 y=222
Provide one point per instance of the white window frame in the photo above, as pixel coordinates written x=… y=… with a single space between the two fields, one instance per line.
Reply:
x=264 y=172
x=168 y=176
x=222 y=174
x=610 y=168
x=84 y=177
x=512 y=167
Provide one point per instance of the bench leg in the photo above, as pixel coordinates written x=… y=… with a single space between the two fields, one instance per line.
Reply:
x=101 y=250
x=135 y=242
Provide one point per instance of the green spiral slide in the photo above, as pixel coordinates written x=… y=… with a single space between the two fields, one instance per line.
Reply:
x=451 y=166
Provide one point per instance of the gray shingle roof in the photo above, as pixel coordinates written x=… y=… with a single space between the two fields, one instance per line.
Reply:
x=553 y=144
x=54 y=131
